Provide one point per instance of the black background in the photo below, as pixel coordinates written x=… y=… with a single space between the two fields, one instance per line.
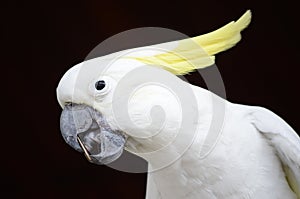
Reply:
x=41 y=40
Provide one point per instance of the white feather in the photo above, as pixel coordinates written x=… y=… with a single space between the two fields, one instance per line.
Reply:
x=242 y=165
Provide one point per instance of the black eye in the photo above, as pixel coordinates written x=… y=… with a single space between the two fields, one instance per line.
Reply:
x=99 y=85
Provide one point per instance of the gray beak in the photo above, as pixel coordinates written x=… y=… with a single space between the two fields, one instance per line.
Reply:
x=85 y=129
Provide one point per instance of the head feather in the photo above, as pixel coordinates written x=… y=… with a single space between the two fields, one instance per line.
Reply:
x=198 y=52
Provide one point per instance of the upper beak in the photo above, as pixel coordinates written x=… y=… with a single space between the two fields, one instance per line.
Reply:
x=86 y=130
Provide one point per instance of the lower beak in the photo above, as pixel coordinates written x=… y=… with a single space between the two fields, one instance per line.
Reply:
x=86 y=130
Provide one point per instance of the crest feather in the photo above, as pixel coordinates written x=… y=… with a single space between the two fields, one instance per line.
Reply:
x=198 y=52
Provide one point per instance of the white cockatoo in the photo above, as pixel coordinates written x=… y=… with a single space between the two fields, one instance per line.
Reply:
x=197 y=144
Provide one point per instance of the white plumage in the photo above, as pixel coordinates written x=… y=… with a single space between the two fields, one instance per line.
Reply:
x=247 y=161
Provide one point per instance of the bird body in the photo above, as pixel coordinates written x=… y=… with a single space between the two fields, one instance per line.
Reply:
x=253 y=169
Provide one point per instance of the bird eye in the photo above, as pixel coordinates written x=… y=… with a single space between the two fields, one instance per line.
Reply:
x=99 y=85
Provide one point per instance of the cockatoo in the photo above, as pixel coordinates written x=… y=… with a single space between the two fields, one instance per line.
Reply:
x=197 y=144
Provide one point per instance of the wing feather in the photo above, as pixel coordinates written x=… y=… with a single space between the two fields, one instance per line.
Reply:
x=285 y=141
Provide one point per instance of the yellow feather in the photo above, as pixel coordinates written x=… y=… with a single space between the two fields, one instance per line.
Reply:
x=292 y=181
x=198 y=52
x=225 y=37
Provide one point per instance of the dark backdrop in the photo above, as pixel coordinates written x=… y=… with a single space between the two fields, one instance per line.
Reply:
x=41 y=40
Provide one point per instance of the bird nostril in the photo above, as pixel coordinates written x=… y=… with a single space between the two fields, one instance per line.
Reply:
x=69 y=104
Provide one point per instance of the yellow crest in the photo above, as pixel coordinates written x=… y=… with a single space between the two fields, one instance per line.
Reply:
x=198 y=52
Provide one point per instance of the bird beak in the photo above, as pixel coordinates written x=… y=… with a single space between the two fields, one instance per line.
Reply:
x=86 y=130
